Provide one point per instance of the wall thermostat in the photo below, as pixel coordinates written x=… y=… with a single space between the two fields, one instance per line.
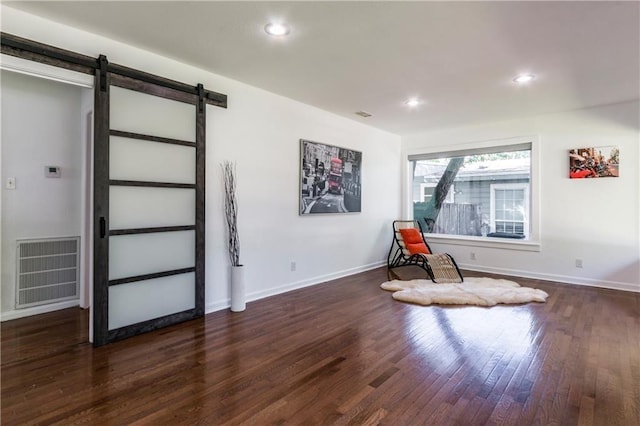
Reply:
x=52 y=171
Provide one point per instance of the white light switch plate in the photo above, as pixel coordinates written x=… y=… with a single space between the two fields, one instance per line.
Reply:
x=11 y=183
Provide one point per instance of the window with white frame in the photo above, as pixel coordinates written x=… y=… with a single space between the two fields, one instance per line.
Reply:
x=510 y=209
x=428 y=189
x=479 y=192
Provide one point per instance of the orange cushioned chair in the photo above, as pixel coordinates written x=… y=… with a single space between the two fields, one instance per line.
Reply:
x=409 y=248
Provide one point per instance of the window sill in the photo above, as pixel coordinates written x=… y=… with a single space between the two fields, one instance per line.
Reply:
x=497 y=243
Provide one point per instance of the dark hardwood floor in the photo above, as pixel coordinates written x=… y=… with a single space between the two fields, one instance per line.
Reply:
x=343 y=352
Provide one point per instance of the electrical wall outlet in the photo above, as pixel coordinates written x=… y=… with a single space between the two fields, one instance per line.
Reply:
x=472 y=256
x=578 y=263
x=293 y=266
x=11 y=183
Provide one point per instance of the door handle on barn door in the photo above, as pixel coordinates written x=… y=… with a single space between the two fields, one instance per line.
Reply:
x=103 y=227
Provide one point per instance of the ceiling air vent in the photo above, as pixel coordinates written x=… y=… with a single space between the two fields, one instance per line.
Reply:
x=363 y=114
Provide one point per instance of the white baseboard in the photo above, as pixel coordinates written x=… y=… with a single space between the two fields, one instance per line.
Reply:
x=224 y=304
x=614 y=285
x=217 y=306
x=36 y=310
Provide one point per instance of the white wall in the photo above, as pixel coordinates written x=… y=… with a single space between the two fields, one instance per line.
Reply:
x=260 y=131
x=596 y=220
x=41 y=126
x=86 y=137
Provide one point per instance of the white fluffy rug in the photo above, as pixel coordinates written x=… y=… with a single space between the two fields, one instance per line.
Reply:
x=473 y=291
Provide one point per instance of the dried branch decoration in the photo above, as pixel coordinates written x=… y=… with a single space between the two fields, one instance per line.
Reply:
x=231 y=211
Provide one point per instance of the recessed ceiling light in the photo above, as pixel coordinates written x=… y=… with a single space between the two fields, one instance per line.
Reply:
x=276 y=29
x=524 y=78
x=413 y=102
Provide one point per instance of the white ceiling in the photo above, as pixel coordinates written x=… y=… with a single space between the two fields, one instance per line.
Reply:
x=459 y=57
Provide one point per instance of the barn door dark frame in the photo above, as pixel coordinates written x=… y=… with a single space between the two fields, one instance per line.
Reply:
x=107 y=74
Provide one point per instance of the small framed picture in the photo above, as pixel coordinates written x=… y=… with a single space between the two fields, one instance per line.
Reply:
x=595 y=162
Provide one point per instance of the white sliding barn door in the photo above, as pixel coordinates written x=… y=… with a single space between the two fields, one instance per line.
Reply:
x=149 y=203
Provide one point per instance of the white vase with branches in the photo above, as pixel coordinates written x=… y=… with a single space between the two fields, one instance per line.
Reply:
x=238 y=297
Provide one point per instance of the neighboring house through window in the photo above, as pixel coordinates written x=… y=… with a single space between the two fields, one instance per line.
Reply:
x=488 y=190
x=427 y=190
x=510 y=208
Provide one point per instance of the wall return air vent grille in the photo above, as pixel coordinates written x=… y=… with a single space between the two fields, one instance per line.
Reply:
x=48 y=271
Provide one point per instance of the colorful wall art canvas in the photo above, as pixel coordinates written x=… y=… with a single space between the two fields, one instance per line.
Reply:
x=596 y=162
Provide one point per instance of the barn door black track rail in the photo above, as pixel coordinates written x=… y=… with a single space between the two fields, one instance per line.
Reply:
x=50 y=55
